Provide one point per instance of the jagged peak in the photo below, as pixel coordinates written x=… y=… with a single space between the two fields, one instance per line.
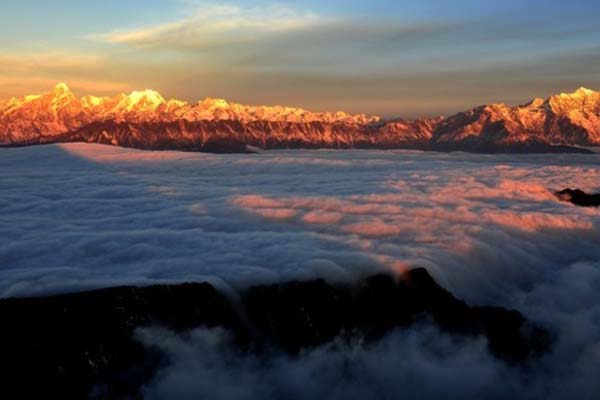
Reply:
x=138 y=95
x=93 y=101
x=493 y=107
x=565 y=103
x=146 y=98
x=174 y=104
x=60 y=97
x=151 y=104
x=211 y=102
x=61 y=87
x=581 y=92
x=534 y=103
x=177 y=102
x=148 y=102
x=60 y=93
x=28 y=98
x=584 y=91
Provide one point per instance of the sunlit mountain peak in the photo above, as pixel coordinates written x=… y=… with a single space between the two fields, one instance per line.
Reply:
x=584 y=91
x=565 y=119
x=61 y=87
x=210 y=102
x=581 y=92
x=142 y=100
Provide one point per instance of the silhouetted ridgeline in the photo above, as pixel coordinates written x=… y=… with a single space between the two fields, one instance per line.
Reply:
x=63 y=346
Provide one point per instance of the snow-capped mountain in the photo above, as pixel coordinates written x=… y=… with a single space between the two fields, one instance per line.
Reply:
x=144 y=119
x=564 y=119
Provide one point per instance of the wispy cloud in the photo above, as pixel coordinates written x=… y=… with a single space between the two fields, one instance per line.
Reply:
x=25 y=62
x=321 y=58
x=36 y=72
x=216 y=25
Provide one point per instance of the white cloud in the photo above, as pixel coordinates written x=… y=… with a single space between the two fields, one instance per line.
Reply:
x=414 y=364
x=88 y=215
x=82 y=216
x=216 y=25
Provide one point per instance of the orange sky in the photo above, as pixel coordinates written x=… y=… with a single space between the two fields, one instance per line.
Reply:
x=386 y=58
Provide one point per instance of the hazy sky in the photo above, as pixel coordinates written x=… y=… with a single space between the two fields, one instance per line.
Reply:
x=404 y=58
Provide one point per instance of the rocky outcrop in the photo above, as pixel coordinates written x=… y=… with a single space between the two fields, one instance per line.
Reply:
x=579 y=197
x=144 y=119
x=64 y=346
x=295 y=315
x=67 y=345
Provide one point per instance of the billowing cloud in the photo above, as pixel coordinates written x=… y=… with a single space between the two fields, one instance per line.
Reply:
x=81 y=216
x=420 y=363
x=414 y=364
x=168 y=216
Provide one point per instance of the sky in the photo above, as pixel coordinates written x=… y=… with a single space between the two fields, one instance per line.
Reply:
x=390 y=58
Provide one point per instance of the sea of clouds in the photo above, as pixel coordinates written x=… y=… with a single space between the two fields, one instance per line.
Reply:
x=487 y=227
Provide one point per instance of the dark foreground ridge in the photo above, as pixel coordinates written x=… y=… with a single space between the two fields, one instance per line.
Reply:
x=579 y=197
x=75 y=344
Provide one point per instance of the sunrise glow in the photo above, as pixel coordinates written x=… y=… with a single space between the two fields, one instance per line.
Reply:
x=300 y=200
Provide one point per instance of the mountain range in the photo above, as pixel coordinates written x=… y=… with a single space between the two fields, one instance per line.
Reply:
x=145 y=120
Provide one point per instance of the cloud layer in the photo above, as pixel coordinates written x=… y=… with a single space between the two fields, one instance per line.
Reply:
x=86 y=216
x=81 y=216
x=216 y=25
